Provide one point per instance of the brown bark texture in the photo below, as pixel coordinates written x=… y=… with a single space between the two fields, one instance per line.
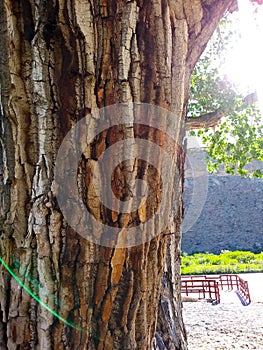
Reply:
x=60 y=61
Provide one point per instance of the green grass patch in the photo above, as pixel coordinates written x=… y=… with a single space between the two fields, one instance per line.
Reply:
x=226 y=262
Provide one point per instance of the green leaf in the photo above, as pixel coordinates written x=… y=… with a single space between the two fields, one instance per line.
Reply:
x=238 y=139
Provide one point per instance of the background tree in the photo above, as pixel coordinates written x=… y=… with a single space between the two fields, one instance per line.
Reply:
x=62 y=60
x=230 y=124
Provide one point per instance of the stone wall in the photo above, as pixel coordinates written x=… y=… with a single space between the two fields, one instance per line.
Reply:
x=221 y=211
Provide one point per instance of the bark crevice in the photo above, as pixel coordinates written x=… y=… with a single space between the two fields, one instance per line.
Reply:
x=61 y=61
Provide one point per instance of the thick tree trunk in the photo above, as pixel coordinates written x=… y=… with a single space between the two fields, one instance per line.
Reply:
x=62 y=60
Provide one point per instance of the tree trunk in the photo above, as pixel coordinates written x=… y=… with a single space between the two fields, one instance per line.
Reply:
x=62 y=60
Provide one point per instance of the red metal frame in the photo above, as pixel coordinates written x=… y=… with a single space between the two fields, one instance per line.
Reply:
x=238 y=282
x=208 y=286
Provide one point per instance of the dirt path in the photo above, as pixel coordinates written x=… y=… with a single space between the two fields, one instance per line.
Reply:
x=225 y=326
x=228 y=325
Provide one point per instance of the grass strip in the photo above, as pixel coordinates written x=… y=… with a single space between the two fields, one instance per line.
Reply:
x=225 y=262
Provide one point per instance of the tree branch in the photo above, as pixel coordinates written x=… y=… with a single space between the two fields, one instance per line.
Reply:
x=210 y=120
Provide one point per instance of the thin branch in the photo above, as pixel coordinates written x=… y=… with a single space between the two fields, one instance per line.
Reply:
x=210 y=120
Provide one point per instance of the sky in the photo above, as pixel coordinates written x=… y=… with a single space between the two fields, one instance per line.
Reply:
x=244 y=61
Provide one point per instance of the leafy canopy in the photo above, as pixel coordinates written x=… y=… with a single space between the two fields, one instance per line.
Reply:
x=238 y=137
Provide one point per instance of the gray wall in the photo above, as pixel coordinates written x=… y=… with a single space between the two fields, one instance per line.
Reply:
x=221 y=211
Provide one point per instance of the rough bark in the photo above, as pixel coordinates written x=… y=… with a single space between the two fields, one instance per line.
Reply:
x=61 y=60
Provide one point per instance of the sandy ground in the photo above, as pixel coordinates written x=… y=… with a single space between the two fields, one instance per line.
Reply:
x=228 y=325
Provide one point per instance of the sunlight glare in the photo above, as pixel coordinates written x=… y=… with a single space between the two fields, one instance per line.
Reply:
x=244 y=62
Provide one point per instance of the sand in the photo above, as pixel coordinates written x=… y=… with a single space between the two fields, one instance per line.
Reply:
x=228 y=325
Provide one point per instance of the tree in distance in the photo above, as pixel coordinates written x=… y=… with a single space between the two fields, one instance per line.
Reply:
x=230 y=124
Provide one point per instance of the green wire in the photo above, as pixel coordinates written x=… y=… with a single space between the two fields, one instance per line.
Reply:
x=37 y=299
